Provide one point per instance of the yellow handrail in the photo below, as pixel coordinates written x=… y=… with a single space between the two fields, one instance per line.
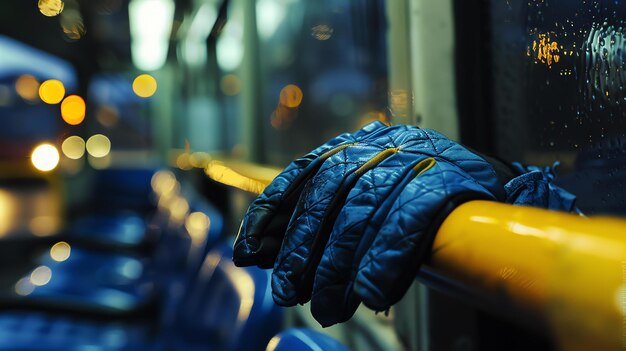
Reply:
x=571 y=270
x=567 y=269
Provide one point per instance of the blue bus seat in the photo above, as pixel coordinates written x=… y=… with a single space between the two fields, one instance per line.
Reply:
x=303 y=339
x=125 y=230
x=227 y=309
x=86 y=281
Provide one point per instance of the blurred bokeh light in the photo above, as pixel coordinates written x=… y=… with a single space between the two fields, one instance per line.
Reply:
x=230 y=85
x=45 y=157
x=60 y=251
x=24 y=287
x=41 y=275
x=73 y=147
x=73 y=110
x=98 y=145
x=144 y=85
x=72 y=24
x=197 y=225
x=51 y=91
x=51 y=8
x=27 y=87
x=322 y=32
x=291 y=96
x=44 y=225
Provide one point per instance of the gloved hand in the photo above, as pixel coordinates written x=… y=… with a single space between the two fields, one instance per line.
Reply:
x=353 y=220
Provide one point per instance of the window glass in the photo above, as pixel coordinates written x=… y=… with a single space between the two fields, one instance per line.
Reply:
x=323 y=71
x=557 y=74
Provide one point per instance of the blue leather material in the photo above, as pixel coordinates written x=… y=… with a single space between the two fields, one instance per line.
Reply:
x=302 y=339
x=354 y=220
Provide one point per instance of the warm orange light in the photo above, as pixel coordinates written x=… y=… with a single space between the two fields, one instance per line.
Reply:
x=51 y=91
x=291 y=96
x=51 y=8
x=144 y=85
x=27 y=87
x=45 y=157
x=73 y=110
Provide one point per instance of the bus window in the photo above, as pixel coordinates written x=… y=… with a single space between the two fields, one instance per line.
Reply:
x=323 y=71
x=552 y=80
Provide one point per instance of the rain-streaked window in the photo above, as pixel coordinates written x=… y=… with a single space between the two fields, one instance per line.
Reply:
x=554 y=75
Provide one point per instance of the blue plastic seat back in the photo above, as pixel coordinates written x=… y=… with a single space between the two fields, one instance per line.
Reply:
x=85 y=281
x=122 y=230
x=228 y=308
x=36 y=331
x=302 y=339
x=122 y=188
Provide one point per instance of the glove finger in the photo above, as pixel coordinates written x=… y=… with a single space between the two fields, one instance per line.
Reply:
x=403 y=243
x=469 y=162
x=262 y=229
x=308 y=231
x=356 y=226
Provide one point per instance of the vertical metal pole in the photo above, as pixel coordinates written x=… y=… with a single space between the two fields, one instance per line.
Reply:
x=411 y=313
x=433 y=68
x=251 y=79
x=399 y=66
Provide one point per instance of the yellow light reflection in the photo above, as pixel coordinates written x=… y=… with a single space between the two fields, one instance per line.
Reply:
x=50 y=8
x=51 y=91
x=24 y=287
x=27 y=87
x=322 y=32
x=199 y=159
x=217 y=171
x=545 y=50
x=44 y=225
x=73 y=110
x=244 y=285
x=98 y=145
x=291 y=96
x=60 y=251
x=8 y=212
x=41 y=276
x=73 y=147
x=271 y=345
x=178 y=209
x=45 y=157
x=72 y=24
x=144 y=85
x=163 y=182
x=197 y=225
x=183 y=161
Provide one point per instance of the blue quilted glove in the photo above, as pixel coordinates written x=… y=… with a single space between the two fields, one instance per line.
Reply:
x=353 y=220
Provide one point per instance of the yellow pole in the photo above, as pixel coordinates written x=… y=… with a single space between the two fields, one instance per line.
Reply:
x=571 y=270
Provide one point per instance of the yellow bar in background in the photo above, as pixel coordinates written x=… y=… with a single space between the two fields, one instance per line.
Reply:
x=569 y=269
